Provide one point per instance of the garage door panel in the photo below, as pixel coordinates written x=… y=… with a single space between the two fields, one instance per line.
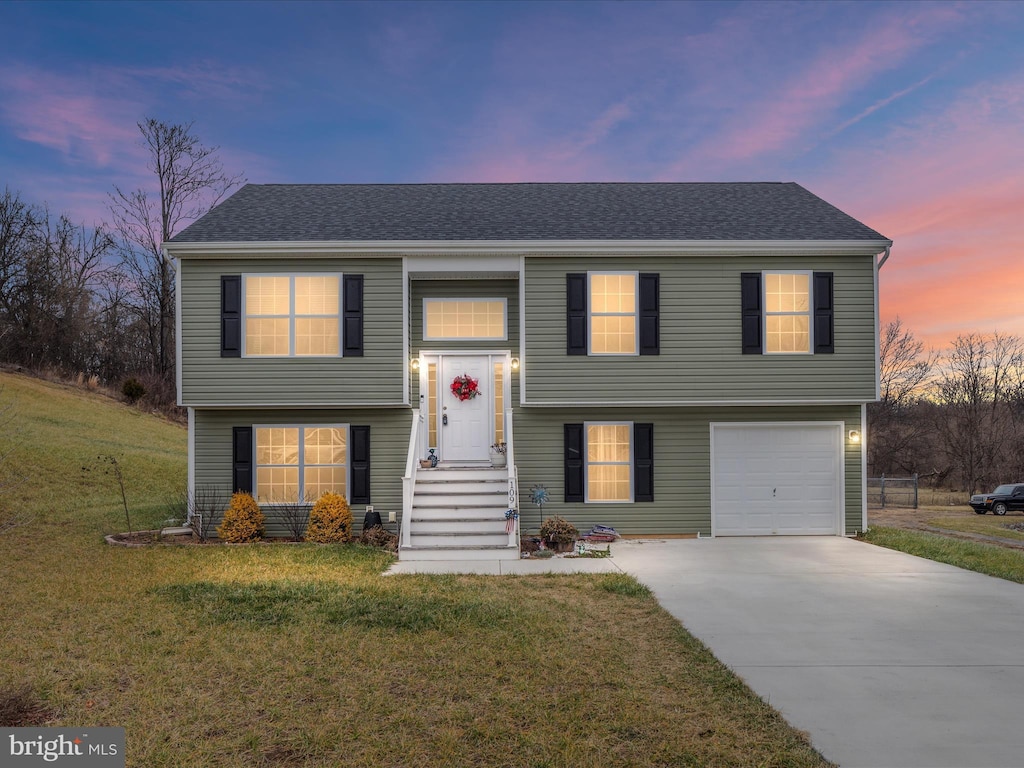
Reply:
x=776 y=479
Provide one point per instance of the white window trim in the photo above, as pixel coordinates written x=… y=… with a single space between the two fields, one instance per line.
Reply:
x=809 y=313
x=586 y=463
x=302 y=463
x=635 y=314
x=492 y=299
x=292 y=316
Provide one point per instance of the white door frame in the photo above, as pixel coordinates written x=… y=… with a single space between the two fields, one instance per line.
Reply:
x=838 y=426
x=435 y=356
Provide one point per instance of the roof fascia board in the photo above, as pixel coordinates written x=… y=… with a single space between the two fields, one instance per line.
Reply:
x=521 y=247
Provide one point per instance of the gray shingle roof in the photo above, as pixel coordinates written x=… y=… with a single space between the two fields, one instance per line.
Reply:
x=587 y=211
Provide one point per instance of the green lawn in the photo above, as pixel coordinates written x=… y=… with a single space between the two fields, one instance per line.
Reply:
x=302 y=655
x=990 y=559
x=988 y=525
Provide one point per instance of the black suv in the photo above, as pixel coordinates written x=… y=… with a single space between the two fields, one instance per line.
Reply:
x=1001 y=499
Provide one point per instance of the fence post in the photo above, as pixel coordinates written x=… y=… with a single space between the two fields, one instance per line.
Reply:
x=915 y=490
x=882 y=486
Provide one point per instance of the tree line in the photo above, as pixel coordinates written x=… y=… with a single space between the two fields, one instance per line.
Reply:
x=98 y=301
x=954 y=417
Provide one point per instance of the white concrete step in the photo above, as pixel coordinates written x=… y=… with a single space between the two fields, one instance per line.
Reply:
x=464 y=513
x=459 y=553
x=459 y=500
x=460 y=539
x=462 y=486
x=459 y=525
x=450 y=473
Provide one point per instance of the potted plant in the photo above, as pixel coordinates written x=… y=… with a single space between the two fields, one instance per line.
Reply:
x=498 y=455
x=558 y=533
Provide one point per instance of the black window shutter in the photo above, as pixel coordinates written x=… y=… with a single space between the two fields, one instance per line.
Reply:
x=573 y=462
x=750 y=312
x=643 y=462
x=231 y=316
x=650 y=303
x=241 y=459
x=824 y=324
x=359 y=453
x=352 y=321
x=576 y=314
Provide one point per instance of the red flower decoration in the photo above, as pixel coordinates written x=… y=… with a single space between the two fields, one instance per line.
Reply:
x=465 y=387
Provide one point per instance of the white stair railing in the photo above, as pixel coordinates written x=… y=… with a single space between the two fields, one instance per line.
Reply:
x=409 y=478
x=513 y=482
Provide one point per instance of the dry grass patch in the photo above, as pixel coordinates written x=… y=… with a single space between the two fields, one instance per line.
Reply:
x=305 y=655
x=986 y=525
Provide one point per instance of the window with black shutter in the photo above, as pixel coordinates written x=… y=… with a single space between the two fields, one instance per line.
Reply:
x=231 y=316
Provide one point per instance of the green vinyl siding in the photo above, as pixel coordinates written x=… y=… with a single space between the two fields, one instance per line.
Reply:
x=207 y=379
x=682 y=464
x=700 y=357
x=463 y=289
x=389 y=441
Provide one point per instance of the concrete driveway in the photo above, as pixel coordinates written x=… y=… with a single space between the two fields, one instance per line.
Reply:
x=886 y=660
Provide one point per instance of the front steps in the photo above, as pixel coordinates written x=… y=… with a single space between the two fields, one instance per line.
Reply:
x=458 y=513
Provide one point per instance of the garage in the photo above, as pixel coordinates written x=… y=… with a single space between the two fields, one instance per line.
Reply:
x=776 y=479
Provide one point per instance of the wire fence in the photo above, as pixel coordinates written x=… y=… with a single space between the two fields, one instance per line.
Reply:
x=893 y=492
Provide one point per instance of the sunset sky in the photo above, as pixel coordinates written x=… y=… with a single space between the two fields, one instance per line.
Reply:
x=909 y=116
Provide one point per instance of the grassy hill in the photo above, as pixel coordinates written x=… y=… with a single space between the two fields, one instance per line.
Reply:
x=54 y=442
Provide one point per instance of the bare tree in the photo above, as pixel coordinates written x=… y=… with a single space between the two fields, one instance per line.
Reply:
x=50 y=272
x=903 y=366
x=189 y=181
x=974 y=423
x=898 y=436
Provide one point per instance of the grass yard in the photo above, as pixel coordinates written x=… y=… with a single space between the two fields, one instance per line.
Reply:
x=985 y=558
x=988 y=525
x=302 y=655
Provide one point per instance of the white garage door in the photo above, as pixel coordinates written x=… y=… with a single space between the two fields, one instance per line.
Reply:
x=775 y=479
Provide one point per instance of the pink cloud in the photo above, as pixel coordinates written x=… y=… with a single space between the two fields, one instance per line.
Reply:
x=790 y=114
x=91 y=118
x=947 y=189
x=67 y=116
x=511 y=156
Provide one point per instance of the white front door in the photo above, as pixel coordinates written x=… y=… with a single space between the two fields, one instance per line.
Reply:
x=465 y=426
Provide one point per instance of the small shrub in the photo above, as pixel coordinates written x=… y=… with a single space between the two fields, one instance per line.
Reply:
x=379 y=537
x=243 y=520
x=204 y=506
x=330 y=520
x=294 y=516
x=558 y=529
x=132 y=389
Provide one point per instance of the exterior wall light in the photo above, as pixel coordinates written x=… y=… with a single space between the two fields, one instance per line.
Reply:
x=414 y=363
x=854 y=436
x=515 y=363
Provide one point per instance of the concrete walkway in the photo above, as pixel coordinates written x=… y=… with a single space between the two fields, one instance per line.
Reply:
x=886 y=660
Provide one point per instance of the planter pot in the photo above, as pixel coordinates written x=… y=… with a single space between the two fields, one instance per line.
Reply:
x=498 y=459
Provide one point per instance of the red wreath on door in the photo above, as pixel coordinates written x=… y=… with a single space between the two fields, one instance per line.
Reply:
x=465 y=387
